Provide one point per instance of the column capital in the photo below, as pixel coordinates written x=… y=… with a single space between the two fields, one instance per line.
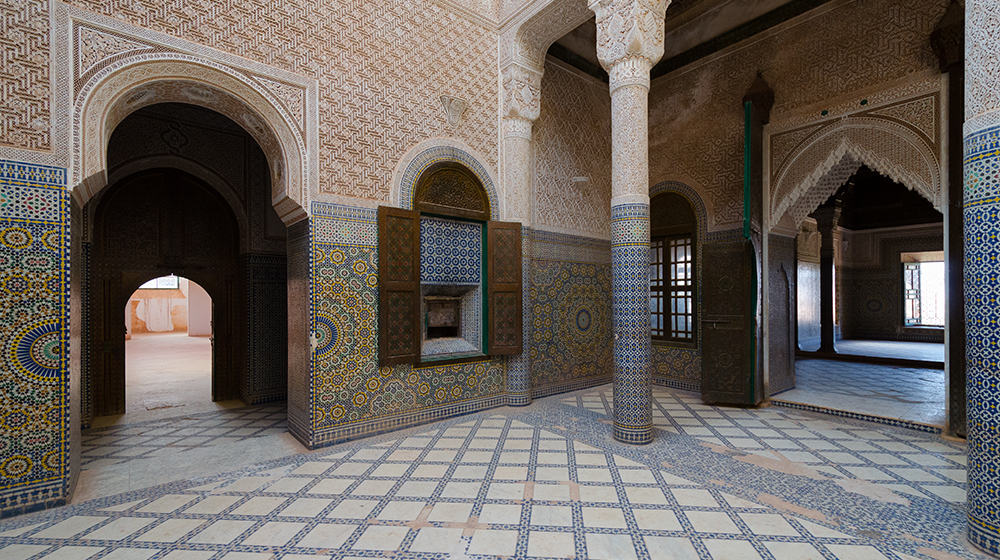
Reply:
x=629 y=36
x=828 y=216
x=522 y=92
x=516 y=127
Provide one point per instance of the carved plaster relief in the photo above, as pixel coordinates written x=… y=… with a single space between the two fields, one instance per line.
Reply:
x=899 y=138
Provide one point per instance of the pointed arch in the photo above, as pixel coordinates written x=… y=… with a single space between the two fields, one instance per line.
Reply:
x=830 y=156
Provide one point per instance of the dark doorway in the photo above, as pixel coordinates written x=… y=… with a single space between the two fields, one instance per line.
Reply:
x=157 y=223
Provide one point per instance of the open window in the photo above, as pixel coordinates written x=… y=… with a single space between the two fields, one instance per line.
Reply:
x=924 y=294
x=450 y=278
x=673 y=228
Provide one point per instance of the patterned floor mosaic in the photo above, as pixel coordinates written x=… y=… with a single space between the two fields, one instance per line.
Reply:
x=169 y=436
x=548 y=481
x=912 y=394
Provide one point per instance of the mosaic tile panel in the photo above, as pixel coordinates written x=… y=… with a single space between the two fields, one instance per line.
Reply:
x=570 y=337
x=519 y=367
x=451 y=251
x=630 y=320
x=34 y=372
x=351 y=395
x=982 y=314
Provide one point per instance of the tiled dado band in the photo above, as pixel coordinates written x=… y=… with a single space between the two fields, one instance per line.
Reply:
x=519 y=367
x=982 y=311
x=34 y=349
x=630 y=318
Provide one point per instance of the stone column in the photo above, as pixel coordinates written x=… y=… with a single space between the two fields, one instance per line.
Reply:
x=521 y=106
x=629 y=42
x=827 y=218
x=982 y=268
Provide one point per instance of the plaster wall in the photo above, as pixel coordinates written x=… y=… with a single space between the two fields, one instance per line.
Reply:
x=199 y=311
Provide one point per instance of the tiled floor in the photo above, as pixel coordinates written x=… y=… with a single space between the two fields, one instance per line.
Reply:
x=547 y=481
x=912 y=394
x=171 y=436
x=927 y=351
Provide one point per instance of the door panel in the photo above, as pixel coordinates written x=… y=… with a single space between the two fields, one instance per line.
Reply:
x=727 y=322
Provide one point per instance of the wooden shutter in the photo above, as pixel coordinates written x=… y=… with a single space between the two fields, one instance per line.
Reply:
x=504 y=277
x=399 y=285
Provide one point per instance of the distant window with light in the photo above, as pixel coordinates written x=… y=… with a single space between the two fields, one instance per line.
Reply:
x=672 y=283
x=923 y=289
x=162 y=283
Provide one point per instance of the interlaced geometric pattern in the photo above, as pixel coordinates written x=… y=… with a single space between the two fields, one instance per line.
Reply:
x=450 y=251
x=630 y=319
x=34 y=300
x=24 y=74
x=408 y=52
x=351 y=395
x=696 y=131
x=982 y=312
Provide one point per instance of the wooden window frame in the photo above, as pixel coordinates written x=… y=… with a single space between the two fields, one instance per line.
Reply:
x=667 y=291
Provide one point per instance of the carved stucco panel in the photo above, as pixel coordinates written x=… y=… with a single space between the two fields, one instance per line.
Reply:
x=410 y=53
x=572 y=139
x=135 y=82
x=982 y=65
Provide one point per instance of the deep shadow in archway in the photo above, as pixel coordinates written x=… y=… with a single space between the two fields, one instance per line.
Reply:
x=190 y=196
x=156 y=223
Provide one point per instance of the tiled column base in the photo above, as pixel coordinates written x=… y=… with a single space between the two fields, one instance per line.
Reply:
x=519 y=367
x=982 y=315
x=630 y=318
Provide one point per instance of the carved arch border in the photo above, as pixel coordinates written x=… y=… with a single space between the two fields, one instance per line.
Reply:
x=838 y=150
x=418 y=158
x=897 y=130
x=129 y=68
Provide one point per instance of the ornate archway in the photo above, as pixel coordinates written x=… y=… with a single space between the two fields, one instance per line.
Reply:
x=132 y=83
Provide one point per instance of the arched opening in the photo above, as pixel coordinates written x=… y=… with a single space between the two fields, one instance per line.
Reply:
x=189 y=198
x=168 y=349
x=673 y=264
x=869 y=301
x=454 y=211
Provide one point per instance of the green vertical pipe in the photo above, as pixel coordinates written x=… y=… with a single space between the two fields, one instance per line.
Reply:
x=747 y=155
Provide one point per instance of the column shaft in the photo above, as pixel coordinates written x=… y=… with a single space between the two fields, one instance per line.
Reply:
x=517 y=177
x=826 y=220
x=630 y=262
x=982 y=269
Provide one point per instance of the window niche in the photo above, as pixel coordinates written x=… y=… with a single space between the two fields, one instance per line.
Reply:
x=672 y=271
x=445 y=273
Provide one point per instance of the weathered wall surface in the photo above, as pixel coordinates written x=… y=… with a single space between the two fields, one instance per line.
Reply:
x=696 y=112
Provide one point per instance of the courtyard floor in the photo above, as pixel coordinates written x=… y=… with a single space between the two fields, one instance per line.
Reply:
x=548 y=481
x=911 y=394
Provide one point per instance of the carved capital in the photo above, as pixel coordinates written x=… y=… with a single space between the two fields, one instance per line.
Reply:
x=629 y=29
x=631 y=71
x=516 y=127
x=522 y=92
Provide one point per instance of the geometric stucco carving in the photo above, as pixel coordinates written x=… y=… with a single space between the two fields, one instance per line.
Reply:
x=809 y=161
x=118 y=74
